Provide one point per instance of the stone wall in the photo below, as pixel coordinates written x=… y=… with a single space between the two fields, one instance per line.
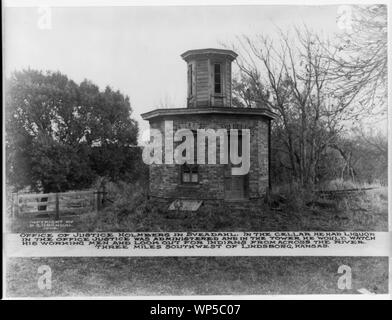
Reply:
x=165 y=179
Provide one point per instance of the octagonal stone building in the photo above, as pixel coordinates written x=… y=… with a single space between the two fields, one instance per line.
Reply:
x=209 y=106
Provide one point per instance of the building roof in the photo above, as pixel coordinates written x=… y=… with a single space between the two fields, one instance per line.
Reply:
x=191 y=54
x=158 y=113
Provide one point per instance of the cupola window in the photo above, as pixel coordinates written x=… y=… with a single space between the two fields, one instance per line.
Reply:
x=217 y=78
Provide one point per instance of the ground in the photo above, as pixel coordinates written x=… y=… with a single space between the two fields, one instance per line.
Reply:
x=365 y=211
x=210 y=275
x=195 y=276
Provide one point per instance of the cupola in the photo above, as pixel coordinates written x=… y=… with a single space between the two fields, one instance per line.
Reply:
x=209 y=77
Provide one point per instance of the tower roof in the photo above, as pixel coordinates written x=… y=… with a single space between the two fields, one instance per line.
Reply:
x=191 y=54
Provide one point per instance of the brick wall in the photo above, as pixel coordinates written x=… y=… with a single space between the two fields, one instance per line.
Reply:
x=165 y=179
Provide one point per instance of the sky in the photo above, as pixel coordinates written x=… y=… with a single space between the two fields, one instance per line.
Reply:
x=137 y=49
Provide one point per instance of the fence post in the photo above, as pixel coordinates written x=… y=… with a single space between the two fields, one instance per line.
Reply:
x=104 y=194
x=93 y=201
x=16 y=205
x=13 y=205
x=98 y=200
x=57 y=206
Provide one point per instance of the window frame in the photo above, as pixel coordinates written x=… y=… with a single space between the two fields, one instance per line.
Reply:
x=220 y=64
x=190 y=169
x=239 y=145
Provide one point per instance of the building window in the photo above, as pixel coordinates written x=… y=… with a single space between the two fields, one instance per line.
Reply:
x=189 y=174
x=239 y=143
x=217 y=78
x=190 y=80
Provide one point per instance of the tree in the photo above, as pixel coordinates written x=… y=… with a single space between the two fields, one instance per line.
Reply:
x=53 y=125
x=56 y=166
x=359 y=57
x=295 y=77
x=292 y=80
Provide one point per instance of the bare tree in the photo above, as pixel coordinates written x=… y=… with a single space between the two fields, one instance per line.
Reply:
x=359 y=58
x=291 y=77
x=318 y=89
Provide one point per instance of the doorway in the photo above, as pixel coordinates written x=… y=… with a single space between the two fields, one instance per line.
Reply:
x=236 y=186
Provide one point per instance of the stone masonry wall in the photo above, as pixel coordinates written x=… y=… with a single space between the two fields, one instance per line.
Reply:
x=165 y=179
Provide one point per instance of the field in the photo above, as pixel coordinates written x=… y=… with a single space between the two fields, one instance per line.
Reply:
x=287 y=211
x=195 y=276
x=130 y=211
x=365 y=212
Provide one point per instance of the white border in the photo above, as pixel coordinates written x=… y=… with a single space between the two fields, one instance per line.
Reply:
x=102 y=3
x=118 y=3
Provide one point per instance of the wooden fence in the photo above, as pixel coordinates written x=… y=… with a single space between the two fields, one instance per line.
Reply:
x=34 y=204
x=331 y=194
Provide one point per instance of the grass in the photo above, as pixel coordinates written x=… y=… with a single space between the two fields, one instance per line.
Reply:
x=290 y=209
x=194 y=276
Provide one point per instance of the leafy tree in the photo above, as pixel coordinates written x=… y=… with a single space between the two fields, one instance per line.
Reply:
x=56 y=166
x=54 y=127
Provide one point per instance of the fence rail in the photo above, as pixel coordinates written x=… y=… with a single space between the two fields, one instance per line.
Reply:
x=33 y=204
x=332 y=194
x=347 y=190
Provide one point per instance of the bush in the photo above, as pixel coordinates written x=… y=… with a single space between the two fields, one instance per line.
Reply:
x=127 y=210
x=55 y=166
x=292 y=195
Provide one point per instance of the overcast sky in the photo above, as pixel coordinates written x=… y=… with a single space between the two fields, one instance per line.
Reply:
x=137 y=49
